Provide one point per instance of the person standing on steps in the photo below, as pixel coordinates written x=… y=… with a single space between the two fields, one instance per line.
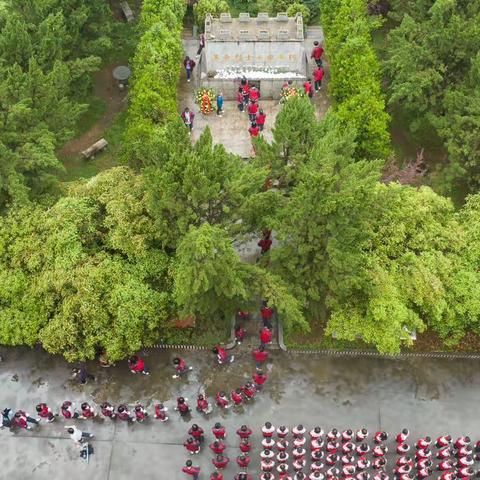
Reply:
x=265 y=336
x=318 y=74
x=267 y=314
x=187 y=117
x=260 y=355
x=189 y=65
x=317 y=53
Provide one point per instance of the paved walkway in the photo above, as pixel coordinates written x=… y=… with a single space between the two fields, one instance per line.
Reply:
x=231 y=129
x=428 y=396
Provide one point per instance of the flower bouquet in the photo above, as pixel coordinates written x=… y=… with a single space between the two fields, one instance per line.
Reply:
x=205 y=98
x=289 y=92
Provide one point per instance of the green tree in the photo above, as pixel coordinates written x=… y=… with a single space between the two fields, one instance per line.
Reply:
x=214 y=7
x=298 y=7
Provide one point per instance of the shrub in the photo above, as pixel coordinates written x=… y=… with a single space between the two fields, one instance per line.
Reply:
x=297 y=7
x=215 y=7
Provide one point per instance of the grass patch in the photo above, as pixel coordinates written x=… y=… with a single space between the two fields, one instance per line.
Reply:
x=77 y=167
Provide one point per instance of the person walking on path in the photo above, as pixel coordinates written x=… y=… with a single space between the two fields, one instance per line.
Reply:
x=45 y=412
x=240 y=104
x=318 y=74
x=189 y=65
x=181 y=367
x=308 y=88
x=254 y=130
x=260 y=355
x=267 y=313
x=317 y=53
x=252 y=111
x=254 y=94
x=220 y=104
x=77 y=435
x=187 y=117
x=190 y=469
x=260 y=119
x=201 y=44
x=81 y=375
x=265 y=336
x=137 y=365
x=222 y=355
x=245 y=86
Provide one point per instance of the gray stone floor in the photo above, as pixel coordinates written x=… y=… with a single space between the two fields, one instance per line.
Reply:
x=429 y=396
x=231 y=129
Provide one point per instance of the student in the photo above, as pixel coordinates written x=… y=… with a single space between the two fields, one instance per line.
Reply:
x=380 y=437
x=87 y=412
x=187 y=117
x=402 y=436
x=267 y=453
x=192 y=446
x=318 y=75
x=265 y=336
x=243 y=476
x=196 y=432
x=217 y=447
x=268 y=430
x=219 y=104
x=222 y=400
x=245 y=445
x=7 y=418
x=249 y=390
x=219 y=431
x=181 y=367
x=283 y=457
x=300 y=441
x=203 y=405
x=443 y=441
x=254 y=130
x=236 y=396
x=260 y=119
x=298 y=431
x=140 y=413
x=268 y=443
x=161 y=412
x=137 y=365
x=189 y=65
x=244 y=432
x=252 y=111
x=402 y=448
x=240 y=334
x=267 y=464
x=201 y=44
x=108 y=410
x=307 y=86
x=259 y=378
x=220 y=461
x=245 y=86
x=282 y=431
x=260 y=355
x=243 y=460
x=68 y=410
x=317 y=53
x=216 y=476
x=81 y=375
x=424 y=442
x=361 y=435
x=189 y=469
x=45 y=412
x=77 y=435
x=240 y=104
x=182 y=406
x=254 y=94
x=267 y=313
x=123 y=413
x=22 y=419
x=222 y=355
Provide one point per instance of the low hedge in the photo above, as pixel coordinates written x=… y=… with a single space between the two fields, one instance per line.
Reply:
x=355 y=74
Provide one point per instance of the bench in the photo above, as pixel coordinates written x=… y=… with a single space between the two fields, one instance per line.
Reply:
x=94 y=149
x=127 y=11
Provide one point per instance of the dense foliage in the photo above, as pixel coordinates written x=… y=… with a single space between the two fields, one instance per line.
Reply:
x=48 y=49
x=433 y=69
x=355 y=74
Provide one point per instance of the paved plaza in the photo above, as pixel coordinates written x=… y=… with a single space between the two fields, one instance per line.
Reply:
x=429 y=396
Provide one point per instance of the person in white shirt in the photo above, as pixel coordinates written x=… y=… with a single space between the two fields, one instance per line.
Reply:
x=77 y=435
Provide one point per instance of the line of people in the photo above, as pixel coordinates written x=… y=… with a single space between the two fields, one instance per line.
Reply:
x=248 y=98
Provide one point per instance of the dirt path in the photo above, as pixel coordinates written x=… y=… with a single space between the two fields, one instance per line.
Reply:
x=105 y=87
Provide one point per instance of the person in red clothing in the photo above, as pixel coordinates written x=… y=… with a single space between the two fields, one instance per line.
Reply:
x=260 y=355
x=220 y=461
x=260 y=119
x=108 y=410
x=87 y=412
x=252 y=111
x=249 y=390
x=196 y=432
x=123 y=413
x=182 y=406
x=161 y=412
x=222 y=400
x=240 y=334
x=265 y=336
x=192 y=446
x=45 y=412
x=217 y=447
x=244 y=432
x=318 y=74
x=259 y=378
x=245 y=86
x=244 y=476
x=402 y=436
x=236 y=396
x=266 y=242
x=267 y=313
x=243 y=460
x=137 y=365
x=219 y=431
x=222 y=355
x=191 y=470
x=317 y=53
x=189 y=65
x=202 y=404
x=216 y=476
x=307 y=86
x=245 y=445
x=254 y=94
x=254 y=130
x=140 y=413
x=181 y=367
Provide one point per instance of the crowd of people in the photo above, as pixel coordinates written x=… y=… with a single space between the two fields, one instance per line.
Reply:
x=298 y=454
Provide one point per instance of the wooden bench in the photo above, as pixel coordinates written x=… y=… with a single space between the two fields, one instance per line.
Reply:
x=95 y=148
x=127 y=11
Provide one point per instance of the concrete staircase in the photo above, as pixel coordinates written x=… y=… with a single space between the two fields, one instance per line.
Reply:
x=314 y=32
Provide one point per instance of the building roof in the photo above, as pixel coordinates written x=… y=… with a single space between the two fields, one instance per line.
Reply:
x=254 y=29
